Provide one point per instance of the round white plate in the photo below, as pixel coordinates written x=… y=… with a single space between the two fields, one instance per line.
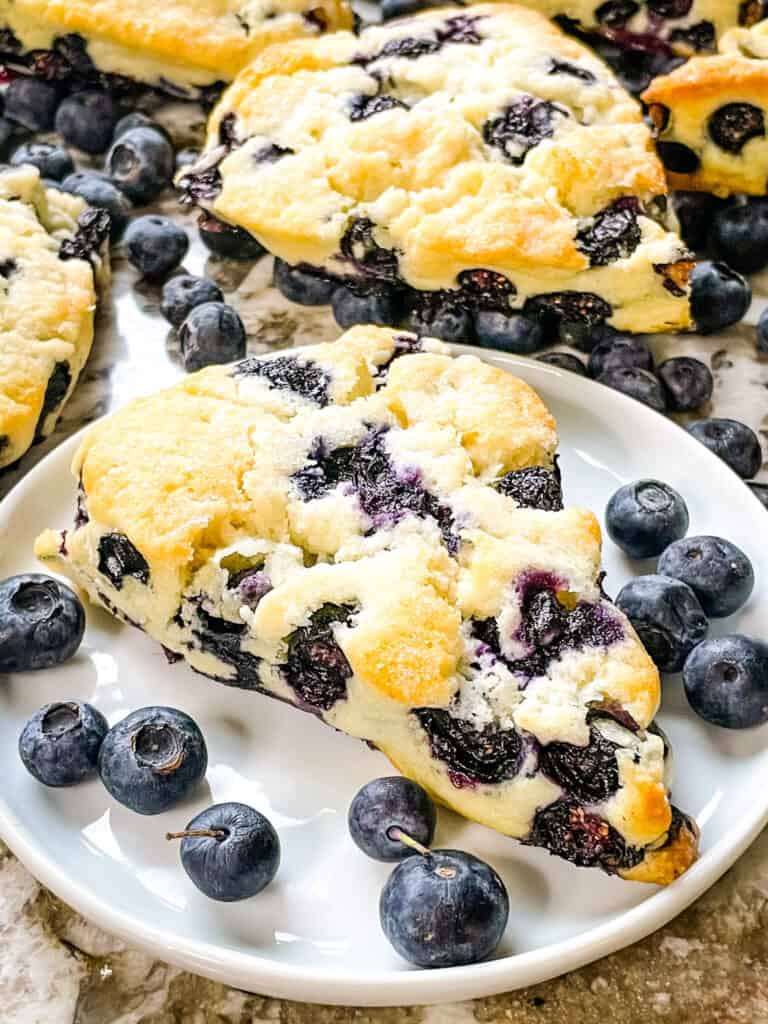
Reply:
x=314 y=934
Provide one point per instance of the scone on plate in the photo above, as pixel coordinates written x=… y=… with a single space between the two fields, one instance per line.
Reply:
x=710 y=116
x=52 y=251
x=373 y=532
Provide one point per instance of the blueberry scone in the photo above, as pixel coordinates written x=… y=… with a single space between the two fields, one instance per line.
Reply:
x=183 y=46
x=711 y=117
x=373 y=532
x=51 y=249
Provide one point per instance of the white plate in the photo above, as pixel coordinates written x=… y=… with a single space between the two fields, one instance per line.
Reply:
x=314 y=934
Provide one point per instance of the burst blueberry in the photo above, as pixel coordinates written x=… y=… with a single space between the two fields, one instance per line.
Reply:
x=141 y=163
x=732 y=441
x=639 y=384
x=687 y=383
x=98 y=191
x=86 y=120
x=726 y=681
x=719 y=296
x=645 y=517
x=53 y=162
x=666 y=615
x=227 y=240
x=183 y=293
x=156 y=245
x=60 y=743
x=41 y=623
x=716 y=570
x=383 y=809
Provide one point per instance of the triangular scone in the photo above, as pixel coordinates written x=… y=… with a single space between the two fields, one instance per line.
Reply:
x=373 y=531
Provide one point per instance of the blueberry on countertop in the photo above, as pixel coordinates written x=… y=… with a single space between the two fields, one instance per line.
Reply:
x=227 y=240
x=511 y=332
x=739 y=235
x=86 y=120
x=762 y=332
x=182 y=293
x=60 y=743
x=666 y=615
x=636 y=383
x=151 y=759
x=444 y=909
x=719 y=296
x=646 y=516
x=141 y=164
x=31 y=103
x=383 y=809
x=726 y=681
x=41 y=622
x=617 y=352
x=98 y=191
x=718 y=572
x=212 y=333
x=230 y=851
x=734 y=442
x=565 y=361
x=138 y=120
x=687 y=383
x=304 y=286
x=156 y=245
x=378 y=305
x=53 y=162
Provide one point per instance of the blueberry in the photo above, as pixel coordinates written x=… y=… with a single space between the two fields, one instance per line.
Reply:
x=636 y=383
x=212 y=333
x=227 y=240
x=155 y=244
x=316 y=667
x=181 y=294
x=6 y=134
x=86 y=120
x=568 y=830
x=645 y=517
x=739 y=235
x=230 y=851
x=565 y=361
x=401 y=8
x=533 y=487
x=719 y=296
x=762 y=332
x=186 y=158
x=734 y=442
x=486 y=755
x=141 y=164
x=667 y=617
x=60 y=743
x=41 y=623
x=138 y=120
x=384 y=805
x=303 y=285
x=726 y=681
x=687 y=383
x=98 y=191
x=52 y=161
x=377 y=305
x=444 y=909
x=695 y=211
x=31 y=103
x=718 y=572
x=618 y=351
x=440 y=317
x=509 y=333
x=733 y=125
x=152 y=759
x=760 y=491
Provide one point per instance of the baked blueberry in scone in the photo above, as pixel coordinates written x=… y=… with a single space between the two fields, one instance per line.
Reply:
x=52 y=250
x=476 y=157
x=711 y=116
x=366 y=531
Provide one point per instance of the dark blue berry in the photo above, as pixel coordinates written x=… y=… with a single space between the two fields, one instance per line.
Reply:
x=726 y=681
x=585 y=839
x=526 y=122
x=444 y=909
x=760 y=491
x=290 y=373
x=687 y=383
x=645 y=517
x=402 y=8
x=86 y=120
x=613 y=234
x=472 y=755
x=31 y=103
x=303 y=285
x=375 y=305
x=212 y=333
x=589 y=772
x=230 y=851
x=677 y=157
x=565 y=361
x=533 y=487
x=667 y=617
x=41 y=623
x=181 y=294
x=384 y=805
x=98 y=191
x=577 y=317
x=695 y=211
x=440 y=315
x=636 y=383
x=120 y=559
x=739 y=235
x=152 y=759
x=718 y=572
x=719 y=296
x=734 y=124
x=226 y=240
x=138 y=120
x=156 y=245
x=6 y=134
x=734 y=442
x=60 y=743
x=141 y=164
x=509 y=332
x=316 y=667
x=53 y=162
x=762 y=332
x=618 y=351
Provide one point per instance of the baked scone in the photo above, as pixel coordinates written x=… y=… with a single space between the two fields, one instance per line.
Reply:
x=182 y=46
x=481 y=155
x=711 y=116
x=373 y=532
x=51 y=249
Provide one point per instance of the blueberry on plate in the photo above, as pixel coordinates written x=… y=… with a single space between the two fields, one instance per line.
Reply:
x=304 y=286
x=617 y=352
x=53 y=162
x=762 y=332
x=181 y=294
x=719 y=296
x=98 y=191
x=667 y=616
x=718 y=572
x=31 y=103
x=156 y=245
x=687 y=383
x=636 y=383
x=734 y=442
x=152 y=759
x=141 y=164
x=511 y=332
x=385 y=808
x=377 y=305
x=41 y=622
x=60 y=743
x=645 y=517
x=227 y=240
x=695 y=211
x=726 y=681
x=86 y=120
x=444 y=909
x=212 y=333
x=565 y=361
x=739 y=235
x=230 y=851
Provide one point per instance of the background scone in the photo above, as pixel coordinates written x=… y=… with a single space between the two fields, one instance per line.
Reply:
x=479 y=156
x=373 y=532
x=51 y=248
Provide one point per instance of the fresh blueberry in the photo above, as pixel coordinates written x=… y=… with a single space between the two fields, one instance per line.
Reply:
x=509 y=333
x=212 y=333
x=384 y=806
x=141 y=164
x=739 y=235
x=734 y=442
x=230 y=851
x=444 y=909
x=401 y=8
x=41 y=623
x=667 y=617
x=762 y=332
x=156 y=245
x=687 y=383
x=719 y=296
x=636 y=383
x=138 y=120
x=718 y=572
x=186 y=157
x=446 y=318
x=226 y=240
x=31 y=103
x=86 y=120
x=618 y=351
x=52 y=161
x=565 y=361
x=645 y=517
x=98 y=191
x=60 y=743
x=181 y=294
x=695 y=211
x=760 y=491
x=6 y=134
x=375 y=306
x=152 y=759
x=304 y=286
x=726 y=681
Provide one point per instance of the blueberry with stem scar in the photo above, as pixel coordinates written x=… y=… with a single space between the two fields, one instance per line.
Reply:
x=388 y=816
